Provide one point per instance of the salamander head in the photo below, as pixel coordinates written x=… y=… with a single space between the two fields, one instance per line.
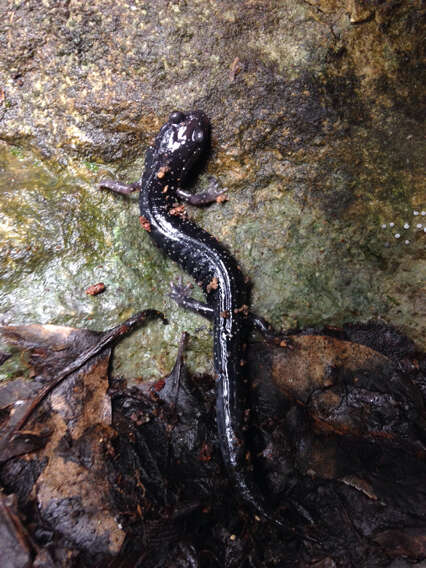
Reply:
x=182 y=140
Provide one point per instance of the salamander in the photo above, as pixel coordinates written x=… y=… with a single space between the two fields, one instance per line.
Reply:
x=178 y=148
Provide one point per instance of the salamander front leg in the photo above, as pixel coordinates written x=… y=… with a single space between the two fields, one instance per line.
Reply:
x=118 y=187
x=212 y=194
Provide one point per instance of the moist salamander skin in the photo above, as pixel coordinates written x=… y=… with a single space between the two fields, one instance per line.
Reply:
x=179 y=146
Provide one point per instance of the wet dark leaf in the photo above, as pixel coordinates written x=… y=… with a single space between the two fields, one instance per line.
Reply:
x=348 y=389
x=334 y=428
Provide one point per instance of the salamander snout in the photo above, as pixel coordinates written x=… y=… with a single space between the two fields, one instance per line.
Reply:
x=184 y=137
x=192 y=125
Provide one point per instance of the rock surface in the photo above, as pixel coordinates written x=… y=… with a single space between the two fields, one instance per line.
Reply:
x=317 y=134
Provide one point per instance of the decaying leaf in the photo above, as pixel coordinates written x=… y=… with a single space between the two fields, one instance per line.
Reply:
x=347 y=389
x=67 y=434
x=334 y=427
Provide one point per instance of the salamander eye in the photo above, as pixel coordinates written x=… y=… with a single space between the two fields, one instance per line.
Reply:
x=198 y=135
x=176 y=117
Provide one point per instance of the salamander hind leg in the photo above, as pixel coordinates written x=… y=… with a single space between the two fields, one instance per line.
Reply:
x=180 y=293
x=268 y=332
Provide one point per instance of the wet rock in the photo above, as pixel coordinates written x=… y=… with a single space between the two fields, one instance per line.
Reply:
x=317 y=137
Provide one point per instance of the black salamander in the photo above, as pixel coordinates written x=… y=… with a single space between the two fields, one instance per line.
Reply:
x=178 y=147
